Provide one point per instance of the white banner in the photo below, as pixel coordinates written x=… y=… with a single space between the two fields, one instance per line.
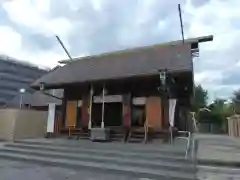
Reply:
x=51 y=117
x=172 y=105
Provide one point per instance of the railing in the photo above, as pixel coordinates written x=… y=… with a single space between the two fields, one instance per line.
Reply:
x=71 y=128
x=188 y=138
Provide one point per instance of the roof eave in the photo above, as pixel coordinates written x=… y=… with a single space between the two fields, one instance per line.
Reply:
x=190 y=40
x=205 y=38
x=36 y=85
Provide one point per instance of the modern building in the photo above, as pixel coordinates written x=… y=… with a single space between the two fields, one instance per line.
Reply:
x=127 y=88
x=16 y=75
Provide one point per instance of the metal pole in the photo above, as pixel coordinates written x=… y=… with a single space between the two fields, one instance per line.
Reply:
x=90 y=109
x=181 y=23
x=103 y=99
x=64 y=48
x=21 y=99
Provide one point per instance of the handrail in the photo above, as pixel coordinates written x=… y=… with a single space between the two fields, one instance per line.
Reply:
x=69 y=129
x=188 y=138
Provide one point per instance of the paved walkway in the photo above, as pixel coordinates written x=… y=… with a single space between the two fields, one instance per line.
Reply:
x=11 y=170
x=217 y=173
x=218 y=157
x=118 y=160
x=218 y=150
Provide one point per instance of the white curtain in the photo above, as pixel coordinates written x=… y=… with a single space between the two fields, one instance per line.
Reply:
x=172 y=105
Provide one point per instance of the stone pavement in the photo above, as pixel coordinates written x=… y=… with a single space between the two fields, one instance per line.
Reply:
x=11 y=170
x=54 y=159
x=218 y=157
x=220 y=150
x=218 y=173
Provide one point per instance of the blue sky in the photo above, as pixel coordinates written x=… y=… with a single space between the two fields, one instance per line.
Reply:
x=27 y=29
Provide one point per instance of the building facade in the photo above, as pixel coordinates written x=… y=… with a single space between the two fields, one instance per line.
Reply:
x=125 y=88
x=15 y=75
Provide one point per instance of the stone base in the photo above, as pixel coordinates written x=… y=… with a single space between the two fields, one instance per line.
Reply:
x=100 y=134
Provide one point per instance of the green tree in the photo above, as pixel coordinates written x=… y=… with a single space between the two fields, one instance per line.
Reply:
x=236 y=101
x=218 y=105
x=219 y=111
x=199 y=99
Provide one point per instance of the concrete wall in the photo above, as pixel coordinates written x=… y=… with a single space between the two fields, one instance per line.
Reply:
x=30 y=124
x=18 y=124
x=7 y=123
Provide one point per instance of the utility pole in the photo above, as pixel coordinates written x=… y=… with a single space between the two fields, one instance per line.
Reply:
x=181 y=23
x=64 y=48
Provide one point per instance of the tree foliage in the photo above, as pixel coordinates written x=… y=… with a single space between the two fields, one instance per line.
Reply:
x=236 y=101
x=218 y=111
x=199 y=99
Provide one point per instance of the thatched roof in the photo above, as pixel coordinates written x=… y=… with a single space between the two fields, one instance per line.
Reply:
x=174 y=56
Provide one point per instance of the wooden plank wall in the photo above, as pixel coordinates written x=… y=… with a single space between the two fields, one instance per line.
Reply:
x=71 y=113
x=154 y=112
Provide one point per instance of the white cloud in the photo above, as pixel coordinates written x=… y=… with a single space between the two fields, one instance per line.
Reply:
x=215 y=18
x=221 y=91
x=97 y=5
x=35 y=15
x=11 y=40
x=219 y=57
x=46 y=59
x=208 y=77
x=11 y=44
x=238 y=63
x=25 y=12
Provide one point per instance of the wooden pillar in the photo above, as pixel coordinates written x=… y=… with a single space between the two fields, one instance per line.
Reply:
x=63 y=113
x=165 y=111
x=90 y=108
x=103 y=103
x=127 y=110
x=85 y=113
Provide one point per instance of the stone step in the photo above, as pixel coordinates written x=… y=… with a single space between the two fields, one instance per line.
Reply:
x=154 y=164
x=136 y=140
x=103 y=152
x=120 y=147
x=116 y=136
x=101 y=166
x=140 y=136
x=76 y=137
x=118 y=139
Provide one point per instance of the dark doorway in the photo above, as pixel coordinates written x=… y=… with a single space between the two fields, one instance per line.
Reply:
x=112 y=114
x=138 y=115
x=96 y=114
